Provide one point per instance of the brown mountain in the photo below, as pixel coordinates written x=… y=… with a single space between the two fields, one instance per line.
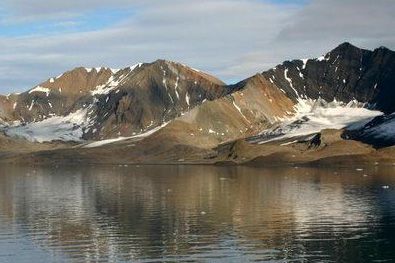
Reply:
x=166 y=112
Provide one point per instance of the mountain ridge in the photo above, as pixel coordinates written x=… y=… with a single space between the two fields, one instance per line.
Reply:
x=165 y=106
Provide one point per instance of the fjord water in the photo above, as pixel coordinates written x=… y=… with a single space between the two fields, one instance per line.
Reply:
x=196 y=213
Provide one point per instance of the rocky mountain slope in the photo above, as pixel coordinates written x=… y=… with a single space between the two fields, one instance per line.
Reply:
x=346 y=73
x=103 y=103
x=167 y=112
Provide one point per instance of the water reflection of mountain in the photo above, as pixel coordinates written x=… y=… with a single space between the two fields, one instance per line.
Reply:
x=180 y=212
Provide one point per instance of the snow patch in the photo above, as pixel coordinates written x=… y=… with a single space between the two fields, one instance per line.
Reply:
x=239 y=109
x=64 y=128
x=304 y=62
x=187 y=98
x=176 y=88
x=289 y=143
x=113 y=81
x=322 y=58
x=290 y=81
x=40 y=89
x=114 y=70
x=139 y=136
x=106 y=88
x=135 y=66
x=312 y=116
x=31 y=105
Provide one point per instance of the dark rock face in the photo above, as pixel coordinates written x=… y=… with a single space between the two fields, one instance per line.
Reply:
x=379 y=132
x=149 y=96
x=345 y=73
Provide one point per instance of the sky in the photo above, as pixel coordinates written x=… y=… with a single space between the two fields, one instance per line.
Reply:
x=231 y=39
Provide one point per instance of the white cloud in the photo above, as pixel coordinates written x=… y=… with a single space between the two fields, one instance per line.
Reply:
x=25 y=10
x=232 y=39
x=327 y=22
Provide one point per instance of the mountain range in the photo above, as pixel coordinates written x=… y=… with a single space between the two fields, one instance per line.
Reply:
x=301 y=111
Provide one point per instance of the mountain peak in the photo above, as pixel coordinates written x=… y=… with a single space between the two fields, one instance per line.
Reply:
x=383 y=49
x=344 y=74
x=345 y=47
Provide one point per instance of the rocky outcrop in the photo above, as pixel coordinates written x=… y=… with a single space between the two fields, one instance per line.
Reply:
x=379 y=132
x=345 y=73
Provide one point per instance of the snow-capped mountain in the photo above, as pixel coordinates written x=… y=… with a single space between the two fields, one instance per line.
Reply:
x=344 y=74
x=170 y=110
x=101 y=103
x=345 y=88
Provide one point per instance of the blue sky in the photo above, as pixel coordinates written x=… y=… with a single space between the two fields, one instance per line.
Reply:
x=232 y=39
x=87 y=21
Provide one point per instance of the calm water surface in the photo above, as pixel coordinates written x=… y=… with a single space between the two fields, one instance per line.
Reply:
x=196 y=214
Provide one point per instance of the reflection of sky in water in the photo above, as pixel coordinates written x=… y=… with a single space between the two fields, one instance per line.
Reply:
x=209 y=213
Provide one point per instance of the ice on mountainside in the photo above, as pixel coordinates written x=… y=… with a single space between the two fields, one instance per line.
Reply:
x=312 y=116
x=138 y=136
x=63 y=128
x=40 y=89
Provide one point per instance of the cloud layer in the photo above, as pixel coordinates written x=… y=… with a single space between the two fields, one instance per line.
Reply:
x=229 y=38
